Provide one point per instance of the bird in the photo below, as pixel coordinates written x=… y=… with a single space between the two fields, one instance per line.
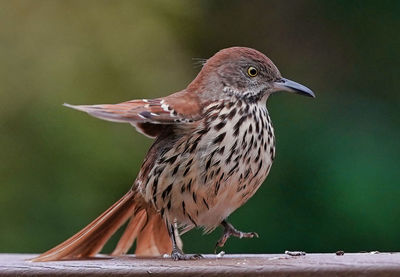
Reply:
x=213 y=147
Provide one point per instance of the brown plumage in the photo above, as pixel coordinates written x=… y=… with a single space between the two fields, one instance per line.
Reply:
x=214 y=146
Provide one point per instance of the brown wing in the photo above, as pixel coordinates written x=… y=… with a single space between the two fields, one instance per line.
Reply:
x=148 y=116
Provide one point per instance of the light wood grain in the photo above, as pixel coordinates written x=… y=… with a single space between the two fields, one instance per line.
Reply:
x=359 y=264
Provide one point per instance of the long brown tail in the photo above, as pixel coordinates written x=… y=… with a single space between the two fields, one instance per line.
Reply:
x=146 y=225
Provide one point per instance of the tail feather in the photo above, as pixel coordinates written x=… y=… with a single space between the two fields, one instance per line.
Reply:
x=154 y=239
x=135 y=225
x=91 y=239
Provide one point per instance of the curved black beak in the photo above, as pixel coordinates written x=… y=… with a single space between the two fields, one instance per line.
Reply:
x=291 y=86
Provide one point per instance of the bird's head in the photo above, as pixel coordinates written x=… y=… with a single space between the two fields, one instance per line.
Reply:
x=244 y=73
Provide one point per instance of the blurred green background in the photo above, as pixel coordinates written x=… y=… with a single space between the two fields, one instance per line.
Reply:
x=335 y=182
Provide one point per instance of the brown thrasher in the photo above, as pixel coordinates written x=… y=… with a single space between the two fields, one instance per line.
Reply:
x=214 y=146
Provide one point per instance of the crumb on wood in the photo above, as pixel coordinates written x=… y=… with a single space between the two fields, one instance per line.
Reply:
x=295 y=253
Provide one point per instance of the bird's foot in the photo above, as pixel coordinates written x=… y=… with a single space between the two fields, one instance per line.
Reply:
x=229 y=231
x=178 y=255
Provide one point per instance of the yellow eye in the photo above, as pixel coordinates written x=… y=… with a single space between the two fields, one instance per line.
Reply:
x=252 y=71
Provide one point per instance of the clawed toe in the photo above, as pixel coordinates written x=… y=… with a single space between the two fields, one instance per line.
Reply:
x=248 y=235
x=229 y=231
x=178 y=255
x=196 y=256
x=186 y=257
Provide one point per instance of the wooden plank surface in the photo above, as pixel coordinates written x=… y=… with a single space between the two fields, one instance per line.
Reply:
x=358 y=264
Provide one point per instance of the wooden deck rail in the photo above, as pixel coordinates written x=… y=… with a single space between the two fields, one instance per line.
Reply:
x=358 y=264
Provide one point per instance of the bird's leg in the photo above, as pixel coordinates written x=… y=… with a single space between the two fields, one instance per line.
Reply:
x=229 y=230
x=177 y=254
